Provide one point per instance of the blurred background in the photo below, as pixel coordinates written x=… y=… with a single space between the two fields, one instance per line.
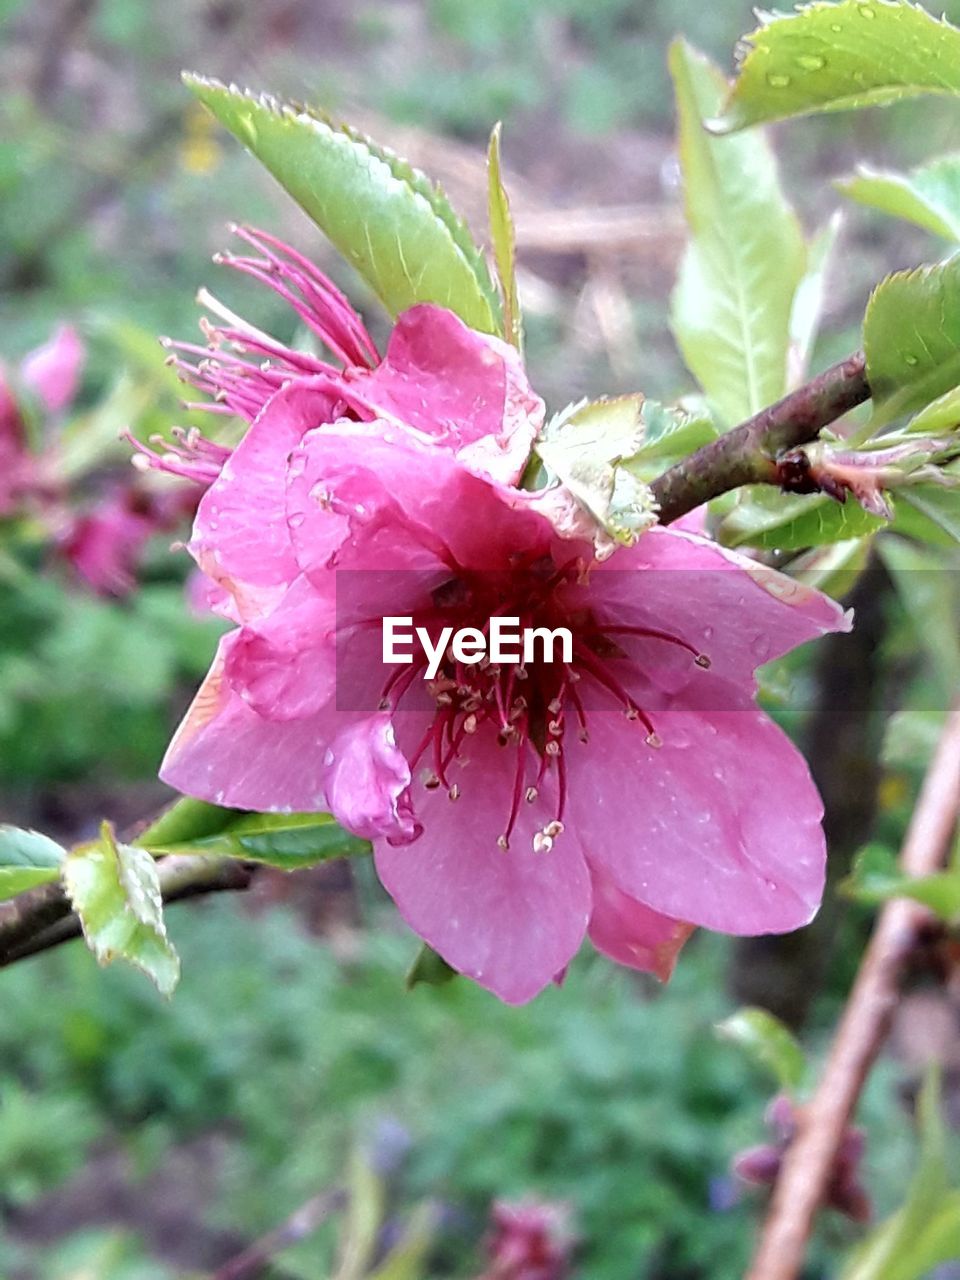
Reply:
x=141 y=1140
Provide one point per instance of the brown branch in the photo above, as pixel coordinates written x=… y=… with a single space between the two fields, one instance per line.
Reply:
x=807 y=1167
x=253 y=1262
x=748 y=454
x=41 y=919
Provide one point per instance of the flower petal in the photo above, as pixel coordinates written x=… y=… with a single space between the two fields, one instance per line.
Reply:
x=631 y=933
x=719 y=826
x=367 y=781
x=466 y=389
x=510 y=919
x=52 y=371
x=738 y=613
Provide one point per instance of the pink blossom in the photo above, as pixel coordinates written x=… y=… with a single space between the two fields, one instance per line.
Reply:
x=438 y=379
x=52 y=371
x=627 y=795
x=104 y=544
x=530 y=1240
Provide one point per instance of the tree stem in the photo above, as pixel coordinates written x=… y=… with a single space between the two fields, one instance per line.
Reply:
x=748 y=454
x=808 y=1165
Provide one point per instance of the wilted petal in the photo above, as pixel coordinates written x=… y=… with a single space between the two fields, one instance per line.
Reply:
x=367 y=780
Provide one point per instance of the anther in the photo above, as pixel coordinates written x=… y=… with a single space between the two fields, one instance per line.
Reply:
x=431 y=781
x=702 y=661
x=454 y=792
x=531 y=794
x=503 y=843
x=554 y=727
x=552 y=748
x=654 y=740
x=542 y=843
x=469 y=723
x=555 y=706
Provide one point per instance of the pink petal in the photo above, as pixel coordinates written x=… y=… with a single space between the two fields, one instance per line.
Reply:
x=736 y=612
x=408 y=506
x=631 y=933
x=240 y=538
x=719 y=826
x=283 y=665
x=367 y=780
x=227 y=754
x=52 y=371
x=510 y=919
x=466 y=389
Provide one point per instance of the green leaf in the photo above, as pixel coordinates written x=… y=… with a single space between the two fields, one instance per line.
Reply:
x=504 y=239
x=911 y=336
x=115 y=890
x=288 y=841
x=27 y=859
x=732 y=305
x=926 y=1230
x=833 y=568
x=429 y=968
x=407 y=1260
x=928 y=196
x=185 y=820
x=926 y=583
x=834 y=57
x=940 y=416
x=386 y=218
x=809 y=299
x=929 y=513
x=769 y=1043
x=766 y=518
x=876 y=878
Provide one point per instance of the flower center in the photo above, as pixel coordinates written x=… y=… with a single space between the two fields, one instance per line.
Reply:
x=531 y=706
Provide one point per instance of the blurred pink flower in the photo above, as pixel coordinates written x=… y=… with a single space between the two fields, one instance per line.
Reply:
x=104 y=545
x=51 y=373
x=529 y=1240
x=630 y=793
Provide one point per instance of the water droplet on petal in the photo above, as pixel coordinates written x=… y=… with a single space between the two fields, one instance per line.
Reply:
x=777 y=80
x=297 y=519
x=328 y=757
x=760 y=647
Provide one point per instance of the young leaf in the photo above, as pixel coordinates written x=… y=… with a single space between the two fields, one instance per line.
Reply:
x=185 y=820
x=926 y=1230
x=386 y=218
x=115 y=890
x=27 y=859
x=769 y=1043
x=911 y=336
x=765 y=518
x=429 y=968
x=288 y=841
x=928 y=196
x=876 y=878
x=732 y=304
x=504 y=243
x=833 y=57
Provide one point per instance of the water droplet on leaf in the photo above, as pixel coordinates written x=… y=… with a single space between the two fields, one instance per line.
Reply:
x=777 y=80
x=811 y=62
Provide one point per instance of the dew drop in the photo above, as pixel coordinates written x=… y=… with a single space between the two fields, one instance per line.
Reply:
x=811 y=62
x=328 y=757
x=296 y=520
x=866 y=11
x=910 y=359
x=760 y=647
x=776 y=80
x=836 y=28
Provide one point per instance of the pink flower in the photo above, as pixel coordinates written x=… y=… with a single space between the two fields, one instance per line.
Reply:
x=530 y=1240
x=51 y=373
x=629 y=794
x=104 y=545
x=438 y=379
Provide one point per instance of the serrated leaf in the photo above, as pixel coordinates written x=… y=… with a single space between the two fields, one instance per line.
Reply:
x=396 y=228
x=928 y=196
x=732 y=305
x=926 y=1230
x=504 y=239
x=768 y=519
x=115 y=891
x=27 y=859
x=911 y=336
x=835 y=57
x=430 y=969
x=769 y=1043
x=288 y=841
